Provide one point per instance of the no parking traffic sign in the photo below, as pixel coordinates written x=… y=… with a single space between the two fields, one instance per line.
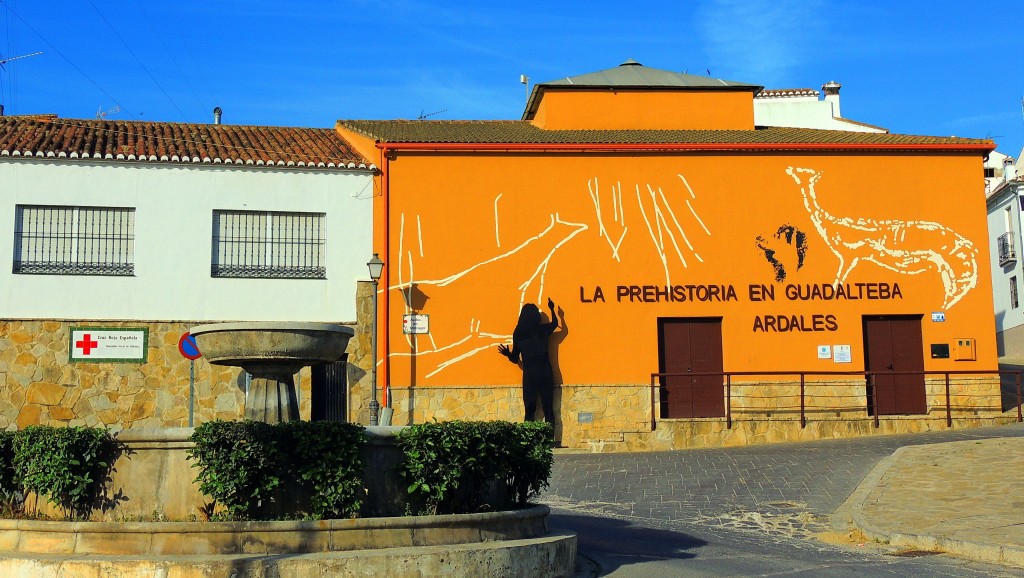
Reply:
x=188 y=348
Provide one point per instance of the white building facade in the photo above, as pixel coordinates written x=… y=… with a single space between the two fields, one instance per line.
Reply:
x=1004 y=225
x=806 y=108
x=150 y=228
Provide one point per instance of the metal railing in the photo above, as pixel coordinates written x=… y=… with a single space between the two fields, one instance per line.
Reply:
x=870 y=408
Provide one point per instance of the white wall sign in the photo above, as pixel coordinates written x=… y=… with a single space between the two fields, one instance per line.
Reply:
x=97 y=344
x=938 y=316
x=824 y=352
x=843 y=354
x=416 y=323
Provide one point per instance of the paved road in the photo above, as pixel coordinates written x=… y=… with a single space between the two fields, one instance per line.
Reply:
x=738 y=511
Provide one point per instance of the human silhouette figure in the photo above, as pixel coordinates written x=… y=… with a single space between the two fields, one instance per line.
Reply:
x=530 y=343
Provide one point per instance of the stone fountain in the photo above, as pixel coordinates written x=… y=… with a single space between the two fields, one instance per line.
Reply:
x=148 y=477
x=272 y=353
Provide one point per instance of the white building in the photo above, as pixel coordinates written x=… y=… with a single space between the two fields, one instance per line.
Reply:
x=1004 y=226
x=999 y=169
x=805 y=108
x=131 y=220
x=156 y=227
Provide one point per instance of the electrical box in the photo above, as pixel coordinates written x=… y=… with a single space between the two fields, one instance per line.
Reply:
x=940 y=351
x=964 y=350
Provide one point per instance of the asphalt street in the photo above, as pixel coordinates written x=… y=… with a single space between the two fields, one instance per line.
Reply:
x=746 y=511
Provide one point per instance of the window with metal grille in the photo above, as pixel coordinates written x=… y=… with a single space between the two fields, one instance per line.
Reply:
x=268 y=244
x=65 y=240
x=1013 y=293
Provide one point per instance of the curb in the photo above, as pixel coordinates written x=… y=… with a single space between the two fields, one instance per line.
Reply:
x=853 y=513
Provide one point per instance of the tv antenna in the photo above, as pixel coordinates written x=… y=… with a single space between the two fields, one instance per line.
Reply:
x=4 y=61
x=423 y=116
x=100 y=113
x=525 y=81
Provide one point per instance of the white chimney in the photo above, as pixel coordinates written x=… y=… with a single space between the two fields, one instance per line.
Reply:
x=831 y=90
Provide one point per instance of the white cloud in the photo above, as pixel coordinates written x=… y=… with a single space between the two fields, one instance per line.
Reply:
x=760 y=41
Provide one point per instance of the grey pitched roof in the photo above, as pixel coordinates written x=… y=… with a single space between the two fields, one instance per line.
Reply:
x=633 y=75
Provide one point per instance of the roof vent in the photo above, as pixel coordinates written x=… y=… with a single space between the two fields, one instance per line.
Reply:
x=631 y=62
x=216 y=115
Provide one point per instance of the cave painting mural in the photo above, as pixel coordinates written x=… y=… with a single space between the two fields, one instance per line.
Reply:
x=906 y=247
x=665 y=222
x=796 y=243
x=648 y=231
x=659 y=216
x=532 y=254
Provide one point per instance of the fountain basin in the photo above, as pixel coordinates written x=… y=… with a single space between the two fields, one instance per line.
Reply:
x=260 y=343
x=272 y=352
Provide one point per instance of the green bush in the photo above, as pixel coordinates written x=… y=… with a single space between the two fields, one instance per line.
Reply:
x=240 y=464
x=8 y=477
x=452 y=466
x=247 y=465
x=528 y=460
x=9 y=482
x=325 y=458
x=70 y=466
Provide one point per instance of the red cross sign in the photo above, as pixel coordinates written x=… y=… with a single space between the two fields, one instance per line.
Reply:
x=86 y=344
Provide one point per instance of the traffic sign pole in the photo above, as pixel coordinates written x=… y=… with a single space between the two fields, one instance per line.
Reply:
x=191 y=391
x=190 y=351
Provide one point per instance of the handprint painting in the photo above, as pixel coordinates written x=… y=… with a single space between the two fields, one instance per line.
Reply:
x=677 y=238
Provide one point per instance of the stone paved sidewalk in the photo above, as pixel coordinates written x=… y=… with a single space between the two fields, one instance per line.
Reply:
x=965 y=498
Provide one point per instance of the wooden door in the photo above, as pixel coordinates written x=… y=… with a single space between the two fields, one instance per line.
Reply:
x=691 y=346
x=893 y=344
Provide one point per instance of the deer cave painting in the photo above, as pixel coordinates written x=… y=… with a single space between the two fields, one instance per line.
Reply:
x=906 y=247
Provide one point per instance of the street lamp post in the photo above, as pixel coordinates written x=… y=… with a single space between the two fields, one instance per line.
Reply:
x=376 y=267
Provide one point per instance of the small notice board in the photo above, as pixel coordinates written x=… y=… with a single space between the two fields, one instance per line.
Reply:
x=416 y=323
x=106 y=345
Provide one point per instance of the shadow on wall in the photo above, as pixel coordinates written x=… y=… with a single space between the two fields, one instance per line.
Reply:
x=554 y=346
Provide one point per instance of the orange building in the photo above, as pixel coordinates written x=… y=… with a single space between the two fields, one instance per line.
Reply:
x=771 y=267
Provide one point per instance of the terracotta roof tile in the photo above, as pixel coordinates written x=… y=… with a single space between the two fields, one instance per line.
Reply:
x=522 y=132
x=49 y=136
x=786 y=92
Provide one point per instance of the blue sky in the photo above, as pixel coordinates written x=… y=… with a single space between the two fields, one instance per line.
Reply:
x=940 y=68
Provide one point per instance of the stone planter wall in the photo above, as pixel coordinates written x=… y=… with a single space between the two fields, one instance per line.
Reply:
x=154 y=478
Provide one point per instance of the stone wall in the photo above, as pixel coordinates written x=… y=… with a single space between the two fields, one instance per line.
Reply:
x=39 y=384
x=621 y=417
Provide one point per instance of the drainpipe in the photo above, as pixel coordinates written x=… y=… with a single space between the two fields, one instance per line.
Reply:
x=385 y=186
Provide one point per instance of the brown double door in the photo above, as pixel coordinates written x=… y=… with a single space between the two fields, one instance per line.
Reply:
x=895 y=356
x=691 y=346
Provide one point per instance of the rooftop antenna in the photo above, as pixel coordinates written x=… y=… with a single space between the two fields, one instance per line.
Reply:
x=4 y=61
x=423 y=116
x=100 y=113
x=525 y=81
